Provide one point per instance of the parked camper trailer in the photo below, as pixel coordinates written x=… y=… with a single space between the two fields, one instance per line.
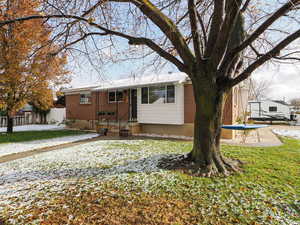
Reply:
x=270 y=110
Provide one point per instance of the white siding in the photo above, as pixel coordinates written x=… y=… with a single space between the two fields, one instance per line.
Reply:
x=162 y=113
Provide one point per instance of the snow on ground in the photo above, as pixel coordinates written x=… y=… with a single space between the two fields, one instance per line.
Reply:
x=84 y=160
x=34 y=127
x=288 y=133
x=23 y=180
x=10 y=148
x=37 y=179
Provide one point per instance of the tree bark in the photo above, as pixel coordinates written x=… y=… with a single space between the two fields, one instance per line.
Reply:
x=207 y=131
x=10 y=124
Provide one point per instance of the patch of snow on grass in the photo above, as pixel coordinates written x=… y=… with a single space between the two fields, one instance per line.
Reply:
x=288 y=133
x=10 y=148
x=24 y=181
x=82 y=161
x=34 y=127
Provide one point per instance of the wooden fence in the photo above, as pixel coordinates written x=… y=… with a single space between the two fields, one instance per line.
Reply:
x=18 y=120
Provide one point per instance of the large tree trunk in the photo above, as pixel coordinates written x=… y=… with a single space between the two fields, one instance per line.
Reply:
x=207 y=131
x=10 y=124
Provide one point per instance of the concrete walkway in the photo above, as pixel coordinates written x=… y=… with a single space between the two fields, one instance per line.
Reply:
x=20 y=155
x=266 y=136
x=267 y=139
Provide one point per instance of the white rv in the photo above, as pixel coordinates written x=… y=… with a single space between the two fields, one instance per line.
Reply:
x=269 y=110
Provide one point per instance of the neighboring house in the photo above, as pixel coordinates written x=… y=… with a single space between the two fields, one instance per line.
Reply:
x=28 y=115
x=269 y=110
x=156 y=104
x=22 y=117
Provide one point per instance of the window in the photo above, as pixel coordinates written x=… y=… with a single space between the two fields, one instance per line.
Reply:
x=85 y=98
x=113 y=95
x=158 y=94
x=145 y=95
x=273 y=109
x=170 y=94
x=119 y=96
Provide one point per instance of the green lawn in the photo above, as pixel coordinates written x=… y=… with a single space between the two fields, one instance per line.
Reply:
x=36 y=135
x=266 y=192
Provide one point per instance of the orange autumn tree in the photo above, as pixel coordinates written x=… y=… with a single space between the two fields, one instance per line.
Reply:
x=42 y=105
x=28 y=67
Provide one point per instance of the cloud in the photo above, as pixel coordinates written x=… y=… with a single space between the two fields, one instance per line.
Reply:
x=284 y=80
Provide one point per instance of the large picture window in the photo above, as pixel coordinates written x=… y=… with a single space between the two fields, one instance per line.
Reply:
x=158 y=94
x=85 y=98
x=114 y=96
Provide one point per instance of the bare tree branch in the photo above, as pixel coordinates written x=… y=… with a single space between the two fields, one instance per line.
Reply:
x=221 y=43
x=264 y=26
x=194 y=29
x=217 y=19
x=271 y=54
x=132 y=40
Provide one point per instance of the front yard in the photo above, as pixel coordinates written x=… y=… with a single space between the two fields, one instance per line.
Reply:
x=22 y=136
x=120 y=182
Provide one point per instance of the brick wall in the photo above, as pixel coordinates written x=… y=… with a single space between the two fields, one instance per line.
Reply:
x=121 y=109
x=75 y=110
x=99 y=102
x=190 y=107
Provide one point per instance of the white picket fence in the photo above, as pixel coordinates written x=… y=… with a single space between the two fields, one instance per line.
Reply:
x=18 y=120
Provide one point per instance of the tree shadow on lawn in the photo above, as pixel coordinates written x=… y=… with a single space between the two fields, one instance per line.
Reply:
x=149 y=164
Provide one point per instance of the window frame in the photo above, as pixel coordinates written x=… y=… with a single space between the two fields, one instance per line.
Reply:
x=166 y=94
x=115 y=91
x=88 y=97
x=273 y=107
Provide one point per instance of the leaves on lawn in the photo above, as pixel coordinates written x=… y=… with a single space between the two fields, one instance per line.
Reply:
x=119 y=183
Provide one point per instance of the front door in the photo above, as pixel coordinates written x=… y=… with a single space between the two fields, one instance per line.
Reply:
x=133 y=101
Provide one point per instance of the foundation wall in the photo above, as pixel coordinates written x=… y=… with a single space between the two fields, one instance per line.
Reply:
x=82 y=124
x=186 y=129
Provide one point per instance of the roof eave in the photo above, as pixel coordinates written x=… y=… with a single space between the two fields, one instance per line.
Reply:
x=138 y=85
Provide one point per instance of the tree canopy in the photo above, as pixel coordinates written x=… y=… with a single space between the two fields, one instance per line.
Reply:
x=27 y=68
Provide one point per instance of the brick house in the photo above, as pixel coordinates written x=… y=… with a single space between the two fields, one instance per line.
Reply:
x=155 y=104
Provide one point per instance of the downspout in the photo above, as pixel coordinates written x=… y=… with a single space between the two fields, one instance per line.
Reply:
x=97 y=108
x=129 y=105
x=117 y=109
